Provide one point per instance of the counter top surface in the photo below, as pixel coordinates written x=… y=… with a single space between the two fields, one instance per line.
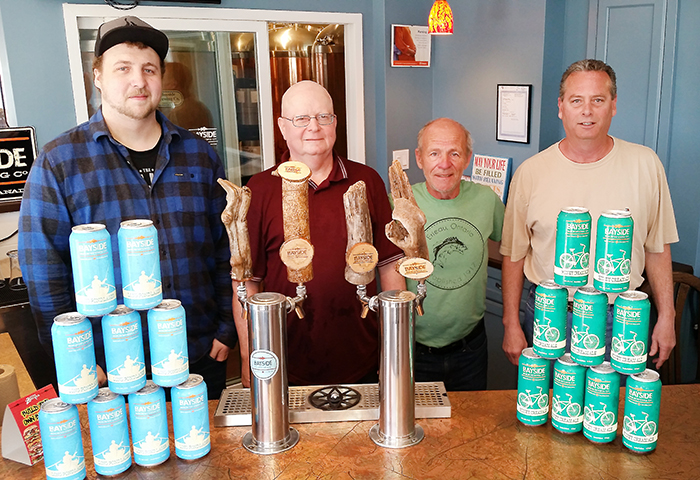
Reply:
x=483 y=439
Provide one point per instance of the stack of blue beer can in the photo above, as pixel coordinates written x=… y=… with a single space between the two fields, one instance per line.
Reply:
x=76 y=366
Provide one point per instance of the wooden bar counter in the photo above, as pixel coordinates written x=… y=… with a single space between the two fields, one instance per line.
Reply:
x=482 y=440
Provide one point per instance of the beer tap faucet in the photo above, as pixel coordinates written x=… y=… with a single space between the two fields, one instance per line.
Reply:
x=297 y=302
x=367 y=302
x=421 y=292
x=242 y=294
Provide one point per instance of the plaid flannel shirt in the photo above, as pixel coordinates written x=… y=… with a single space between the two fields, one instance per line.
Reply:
x=83 y=176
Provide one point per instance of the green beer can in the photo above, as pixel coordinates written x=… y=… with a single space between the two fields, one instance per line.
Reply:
x=613 y=251
x=640 y=430
x=549 y=330
x=533 y=388
x=630 y=334
x=601 y=403
x=589 y=319
x=573 y=246
x=567 y=395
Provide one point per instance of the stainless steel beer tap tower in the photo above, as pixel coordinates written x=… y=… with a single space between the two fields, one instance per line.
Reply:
x=267 y=340
x=266 y=313
x=396 y=427
x=396 y=311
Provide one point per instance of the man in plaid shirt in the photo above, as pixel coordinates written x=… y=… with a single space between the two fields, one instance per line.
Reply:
x=129 y=162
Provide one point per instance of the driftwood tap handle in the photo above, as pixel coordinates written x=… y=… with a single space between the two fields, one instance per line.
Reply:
x=234 y=219
x=406 y=228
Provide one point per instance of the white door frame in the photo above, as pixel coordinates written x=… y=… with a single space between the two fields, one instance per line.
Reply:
x=228 y=19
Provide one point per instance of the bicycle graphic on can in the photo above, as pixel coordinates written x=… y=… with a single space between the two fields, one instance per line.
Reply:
x=620 y=345
x=590 y=340
x=546 y=331
x=572 y=409
x=608 y=265
x=632 y=425
x=529 y=400
x=570 y=260
x=604 y=417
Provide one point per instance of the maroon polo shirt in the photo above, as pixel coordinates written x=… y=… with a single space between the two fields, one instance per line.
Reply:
x=331 y=344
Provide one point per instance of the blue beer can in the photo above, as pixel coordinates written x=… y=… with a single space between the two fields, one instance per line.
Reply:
x=93 y=269
x=167 y=337
x=149 y=425
x=601 y=403
x=74 y=355
x=190 y=406
x=109 y=432
x=140 y=264
x=59 y=425
x=123 y=340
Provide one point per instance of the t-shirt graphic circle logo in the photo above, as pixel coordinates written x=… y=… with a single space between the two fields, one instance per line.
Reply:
x=264 y=364
x=456 y=250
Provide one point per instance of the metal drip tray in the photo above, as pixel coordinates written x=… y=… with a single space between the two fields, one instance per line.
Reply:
x=234 y=405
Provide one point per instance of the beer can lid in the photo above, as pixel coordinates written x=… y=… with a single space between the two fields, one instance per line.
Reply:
x=167 y=304
x=194 y=380
x=530 y=353
x=104 y=395
x=616 y=213
x=551 y=284
x=647 y=375
x=575 y=210
x=120 y=311
x=633 y=295
x=55 y=405
x=138 y=223
x=604 y=367
x=149 y=388
x=70 y=318
x=589 y=290
x=88 y=228
x=566 y=360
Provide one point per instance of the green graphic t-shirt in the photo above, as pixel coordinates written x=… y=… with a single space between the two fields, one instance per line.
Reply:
x=457 y=231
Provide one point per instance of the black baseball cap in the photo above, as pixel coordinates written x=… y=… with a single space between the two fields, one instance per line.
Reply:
x=130 y=29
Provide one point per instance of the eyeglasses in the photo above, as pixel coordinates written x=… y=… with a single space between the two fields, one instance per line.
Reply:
x=305 y=120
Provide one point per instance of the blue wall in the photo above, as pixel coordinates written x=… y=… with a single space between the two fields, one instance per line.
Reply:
x=494 y=42
x=684 y=156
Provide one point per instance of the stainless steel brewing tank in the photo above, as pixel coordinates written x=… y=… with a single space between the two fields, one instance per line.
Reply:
x=328 y=62
x=290 y=62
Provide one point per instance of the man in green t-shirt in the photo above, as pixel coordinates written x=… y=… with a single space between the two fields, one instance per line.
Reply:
x=464 y=220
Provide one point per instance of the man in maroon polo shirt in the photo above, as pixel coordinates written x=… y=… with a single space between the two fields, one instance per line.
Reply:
x=331 y=344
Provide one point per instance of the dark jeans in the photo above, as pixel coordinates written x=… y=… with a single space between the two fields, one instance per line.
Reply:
x=460 y=369
x=214 y=374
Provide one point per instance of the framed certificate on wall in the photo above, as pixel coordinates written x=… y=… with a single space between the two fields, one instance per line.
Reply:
x=513 y=113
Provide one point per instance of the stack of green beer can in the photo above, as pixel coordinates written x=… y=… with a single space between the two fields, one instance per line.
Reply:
x=586 y=388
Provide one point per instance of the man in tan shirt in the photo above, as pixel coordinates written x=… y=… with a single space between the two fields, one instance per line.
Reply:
x=591 y=169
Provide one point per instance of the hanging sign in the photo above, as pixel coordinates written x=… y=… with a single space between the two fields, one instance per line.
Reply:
x=17 y=153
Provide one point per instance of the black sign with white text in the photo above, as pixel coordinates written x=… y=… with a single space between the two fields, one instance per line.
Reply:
x=17 y=153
